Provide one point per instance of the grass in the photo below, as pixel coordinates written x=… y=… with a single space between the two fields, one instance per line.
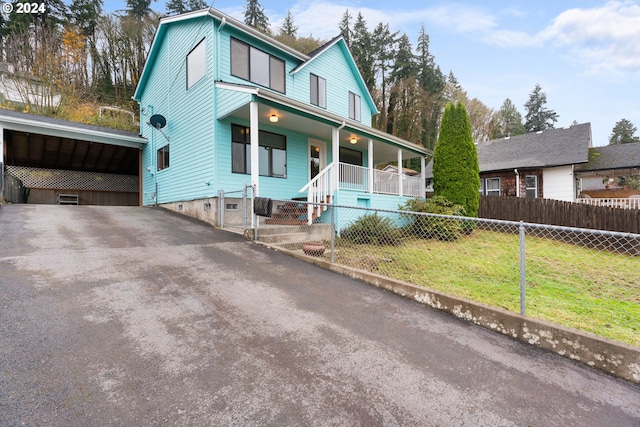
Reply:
x=591 y=290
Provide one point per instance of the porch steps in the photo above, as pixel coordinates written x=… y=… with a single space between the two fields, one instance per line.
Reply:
x=292 y=213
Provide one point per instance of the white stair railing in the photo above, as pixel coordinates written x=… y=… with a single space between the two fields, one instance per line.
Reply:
x=319 y=190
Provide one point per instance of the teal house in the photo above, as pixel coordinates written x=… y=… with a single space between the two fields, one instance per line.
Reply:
x=225 y=107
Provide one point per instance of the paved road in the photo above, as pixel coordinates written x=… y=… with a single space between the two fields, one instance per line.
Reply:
x=138 y=317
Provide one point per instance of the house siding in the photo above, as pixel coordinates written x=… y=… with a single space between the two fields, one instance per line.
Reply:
x=190 y=118
x=332 y=65
x=559 y=183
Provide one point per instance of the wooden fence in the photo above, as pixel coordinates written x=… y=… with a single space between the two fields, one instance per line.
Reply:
x=555 y=212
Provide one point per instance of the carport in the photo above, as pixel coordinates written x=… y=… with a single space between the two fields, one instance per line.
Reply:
x=52 y=161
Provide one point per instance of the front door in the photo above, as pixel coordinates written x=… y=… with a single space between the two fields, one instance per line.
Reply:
x=317 y=157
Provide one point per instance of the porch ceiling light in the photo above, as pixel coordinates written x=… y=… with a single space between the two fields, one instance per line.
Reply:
x=273 y=118
x=353 y=140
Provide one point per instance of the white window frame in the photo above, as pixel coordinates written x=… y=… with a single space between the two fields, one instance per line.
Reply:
x=492 y=191
x=534 y=188
x=196 y=63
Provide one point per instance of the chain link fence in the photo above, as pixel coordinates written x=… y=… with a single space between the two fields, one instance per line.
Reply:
x=585 y=279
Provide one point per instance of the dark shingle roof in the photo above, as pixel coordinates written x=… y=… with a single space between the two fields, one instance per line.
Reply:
x=621 y=156
x=553 y=147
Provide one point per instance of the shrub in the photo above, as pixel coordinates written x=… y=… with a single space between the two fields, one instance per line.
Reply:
x=372 y=229
x=428 y=227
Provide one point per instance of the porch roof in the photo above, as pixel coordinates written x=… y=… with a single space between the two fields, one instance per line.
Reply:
x=317 y=123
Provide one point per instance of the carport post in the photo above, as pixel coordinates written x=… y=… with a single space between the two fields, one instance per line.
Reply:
x=1 y=164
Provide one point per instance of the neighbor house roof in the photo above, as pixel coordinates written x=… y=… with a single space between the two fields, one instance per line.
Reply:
x=544 y=149
x=622 y=156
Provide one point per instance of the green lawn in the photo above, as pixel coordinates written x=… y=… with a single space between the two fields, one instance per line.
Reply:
x=595 y=291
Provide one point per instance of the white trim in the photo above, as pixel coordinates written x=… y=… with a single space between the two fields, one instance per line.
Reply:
x=70 y=132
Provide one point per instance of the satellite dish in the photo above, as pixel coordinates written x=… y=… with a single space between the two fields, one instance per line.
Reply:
x=158 y=121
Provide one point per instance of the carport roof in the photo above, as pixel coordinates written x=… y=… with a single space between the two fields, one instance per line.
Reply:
x=30 y=123
x=45 y=142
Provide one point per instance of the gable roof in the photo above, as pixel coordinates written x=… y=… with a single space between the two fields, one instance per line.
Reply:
x=340 y=41
x=228 y=20
x=536 y=150
x=622 y=156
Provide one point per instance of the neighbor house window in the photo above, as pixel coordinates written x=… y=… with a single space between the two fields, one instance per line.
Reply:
x=196 y=64
x=250 y=63
x=318 y=91
x=163 y=157
x=272 y=152
x=531 y=184
x=492 y=186
x=354 y=106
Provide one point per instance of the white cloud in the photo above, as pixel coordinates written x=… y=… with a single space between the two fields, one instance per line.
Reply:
x=603 y=39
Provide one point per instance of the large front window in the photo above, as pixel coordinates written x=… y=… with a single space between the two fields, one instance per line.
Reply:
x=318 y=91
x=250 y=63
x=354 y=106
x=272 y=151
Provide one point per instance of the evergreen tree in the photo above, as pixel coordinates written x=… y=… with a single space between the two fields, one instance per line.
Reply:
x=432 y=82
x=345 y=27
x=456 y=175
x=538 y=117
x=623 y=133
x=361 y=47
x=176 y=7
x=508 y=121
x=138 y=9
x=288 y=27
x=403 y=80
x=384 y=44
x=254 y=16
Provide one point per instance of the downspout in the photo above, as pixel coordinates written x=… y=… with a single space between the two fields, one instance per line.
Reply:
x=517 y=182
x=222 y=24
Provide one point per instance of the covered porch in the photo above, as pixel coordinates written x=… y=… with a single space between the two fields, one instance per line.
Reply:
x=340 y=155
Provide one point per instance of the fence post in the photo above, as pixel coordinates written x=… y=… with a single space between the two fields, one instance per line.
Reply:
x=523 y=280
x=221 y=208
x=333 y=233
x=244 y=208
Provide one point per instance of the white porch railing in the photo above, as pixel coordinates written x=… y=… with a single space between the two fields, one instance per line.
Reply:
x=630 y=203
x=354 y=177
x=319 y=190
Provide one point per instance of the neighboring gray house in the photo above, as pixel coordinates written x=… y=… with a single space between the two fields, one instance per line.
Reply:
x=539 y=164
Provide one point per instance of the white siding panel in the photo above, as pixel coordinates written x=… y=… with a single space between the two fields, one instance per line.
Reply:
x=558 y=183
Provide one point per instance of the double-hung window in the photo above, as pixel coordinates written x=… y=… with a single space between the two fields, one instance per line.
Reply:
x=163 y=157
x=531 y=184
x=196 y=64
x=354 y=106
x=272 y=152
x=492 y=186
x=257 y=66
x=318 y=91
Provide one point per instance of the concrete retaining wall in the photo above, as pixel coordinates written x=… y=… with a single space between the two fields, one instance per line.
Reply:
x=610 y=356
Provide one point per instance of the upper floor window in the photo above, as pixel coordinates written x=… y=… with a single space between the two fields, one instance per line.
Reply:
x=250 y=63
x=196 y=64
x=354 y=106
x=531 y=184
x=163 y=157
x=318 y=91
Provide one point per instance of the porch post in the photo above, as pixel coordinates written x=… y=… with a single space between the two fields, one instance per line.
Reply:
x=423 y=177
x=255 y=153
x=370 y=163
x=400 y=172
x=335 y=158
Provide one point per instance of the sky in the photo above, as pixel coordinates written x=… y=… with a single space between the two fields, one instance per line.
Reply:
x=584 y=54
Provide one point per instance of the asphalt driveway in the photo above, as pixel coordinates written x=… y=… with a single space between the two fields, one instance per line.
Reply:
x=135 y=316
